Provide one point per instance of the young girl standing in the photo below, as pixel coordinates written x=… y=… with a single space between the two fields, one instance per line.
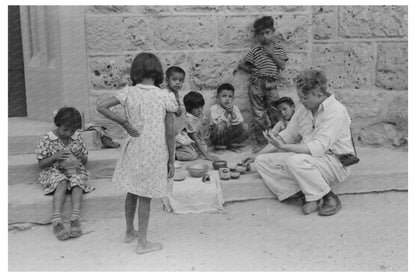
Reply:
x=62 y=156
x=147 y=159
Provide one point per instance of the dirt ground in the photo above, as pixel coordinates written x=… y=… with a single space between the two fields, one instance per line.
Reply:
x=370 y=233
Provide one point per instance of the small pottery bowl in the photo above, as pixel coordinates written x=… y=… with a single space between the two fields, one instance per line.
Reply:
x=179 y=176
x=240 y=168
x=197 y=170
x=235 y=175
x=225 y=173
x=218 y=164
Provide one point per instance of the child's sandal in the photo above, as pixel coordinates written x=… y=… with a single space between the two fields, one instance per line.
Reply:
x=60 y=232
x=75 y=230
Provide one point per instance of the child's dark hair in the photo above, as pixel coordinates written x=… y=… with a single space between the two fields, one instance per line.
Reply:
x=225 y=86
x=193 y=100
x=68 y=117
x=146 y=65
x=281 y=100
x=174 y=69
x=265 y=22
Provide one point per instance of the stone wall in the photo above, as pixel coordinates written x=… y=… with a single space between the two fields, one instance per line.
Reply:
x=362 y=49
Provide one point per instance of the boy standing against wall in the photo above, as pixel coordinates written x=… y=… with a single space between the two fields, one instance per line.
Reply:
x=264 y=63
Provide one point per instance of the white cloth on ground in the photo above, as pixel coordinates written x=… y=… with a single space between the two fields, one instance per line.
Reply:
x=194 y=196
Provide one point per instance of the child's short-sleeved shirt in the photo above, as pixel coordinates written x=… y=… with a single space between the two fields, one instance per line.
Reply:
x=263 y=64
x=219 y=114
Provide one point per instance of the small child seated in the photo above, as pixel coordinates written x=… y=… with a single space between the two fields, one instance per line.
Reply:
x=194 y=105
x=228 y=129
x=62 y=156
x=286 y=108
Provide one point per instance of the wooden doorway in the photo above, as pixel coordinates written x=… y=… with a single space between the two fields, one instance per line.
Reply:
x=16 y=72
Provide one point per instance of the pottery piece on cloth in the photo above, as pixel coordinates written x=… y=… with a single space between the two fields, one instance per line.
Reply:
x=235 y=175
x=219 y=164
x=225 y=173
x=194 y=196
x=179 y=176
x=197 y=170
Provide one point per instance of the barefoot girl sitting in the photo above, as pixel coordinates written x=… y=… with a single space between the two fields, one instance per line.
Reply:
x=62 y=156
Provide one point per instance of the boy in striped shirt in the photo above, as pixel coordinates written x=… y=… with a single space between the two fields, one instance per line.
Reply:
x=264 y=63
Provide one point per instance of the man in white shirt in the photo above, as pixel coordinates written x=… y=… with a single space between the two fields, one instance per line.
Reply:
x=309 y=167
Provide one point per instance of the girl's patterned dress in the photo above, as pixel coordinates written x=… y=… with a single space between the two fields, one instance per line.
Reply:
x=51 y=176
x=142 y=167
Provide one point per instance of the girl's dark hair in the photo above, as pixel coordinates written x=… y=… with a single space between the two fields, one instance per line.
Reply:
x=175 y=69
x=281 y=100
x=193 y=100
x=146 y=65
x=311 y=79
x=68 y=117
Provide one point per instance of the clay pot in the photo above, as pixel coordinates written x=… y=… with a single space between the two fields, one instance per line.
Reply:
x=219 y=164
x=235 y=175
x=197 y=170
x=225 y=173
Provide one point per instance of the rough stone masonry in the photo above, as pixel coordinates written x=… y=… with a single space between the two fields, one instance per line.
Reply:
x=362 y=49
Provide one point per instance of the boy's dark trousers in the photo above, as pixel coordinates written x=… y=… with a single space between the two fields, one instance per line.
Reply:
x=261 y=92
x=223 y=135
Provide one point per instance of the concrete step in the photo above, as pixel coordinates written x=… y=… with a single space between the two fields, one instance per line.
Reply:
x=379 y=170
x=24 y=168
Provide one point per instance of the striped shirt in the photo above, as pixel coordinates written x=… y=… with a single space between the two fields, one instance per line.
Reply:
x=263 y=64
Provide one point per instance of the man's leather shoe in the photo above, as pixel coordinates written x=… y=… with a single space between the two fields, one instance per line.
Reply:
x=310 y=207
x=331 y=205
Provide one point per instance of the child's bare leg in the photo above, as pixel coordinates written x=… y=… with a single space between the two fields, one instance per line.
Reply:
x=130 y=210
x=144 y=246
x=58 y=201
x=77 y=193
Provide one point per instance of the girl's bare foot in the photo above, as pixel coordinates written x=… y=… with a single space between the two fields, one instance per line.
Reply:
x=130 y=236
x=148 y=247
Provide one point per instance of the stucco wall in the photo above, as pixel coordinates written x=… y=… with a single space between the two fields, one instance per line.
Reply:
x=362 y=50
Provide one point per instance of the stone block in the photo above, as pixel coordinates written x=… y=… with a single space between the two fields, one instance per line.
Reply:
x=184 y=32
x=119 y=33
x=150 y=9
x=382 y=134
x=251 y=9
x=346 y=65
x=396 y=109
x=209 y=69
x=195 y=9
x=372 y=21
x=296 y=63
x=108 y=9
x=293 y=31
x=110 y=72
x=361 y=104
x=324 y=22
x=392 y=65
x=235 y=32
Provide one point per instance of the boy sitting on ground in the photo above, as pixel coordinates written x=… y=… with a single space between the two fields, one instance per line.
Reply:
x=228 y=129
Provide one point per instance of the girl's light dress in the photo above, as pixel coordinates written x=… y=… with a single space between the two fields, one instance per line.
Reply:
x=51 y=176
x=142 y=167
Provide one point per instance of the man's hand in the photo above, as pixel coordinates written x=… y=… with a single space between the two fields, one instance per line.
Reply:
x=276 y=141
x=248 y=160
